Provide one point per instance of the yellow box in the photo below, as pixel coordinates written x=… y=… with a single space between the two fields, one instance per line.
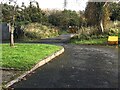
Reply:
x=113 y=40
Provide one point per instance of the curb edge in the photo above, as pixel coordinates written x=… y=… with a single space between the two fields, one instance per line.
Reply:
x=39 y=64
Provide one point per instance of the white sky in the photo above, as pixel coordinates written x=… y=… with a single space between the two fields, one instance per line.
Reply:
x=56 y=4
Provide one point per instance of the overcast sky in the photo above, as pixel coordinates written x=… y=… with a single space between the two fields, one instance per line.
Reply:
x=57 y=4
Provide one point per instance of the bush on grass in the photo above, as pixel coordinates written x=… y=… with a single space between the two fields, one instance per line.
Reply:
x=38 y=31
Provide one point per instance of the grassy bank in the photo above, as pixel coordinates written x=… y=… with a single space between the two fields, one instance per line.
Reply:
x=91 y=41
x=25 y=56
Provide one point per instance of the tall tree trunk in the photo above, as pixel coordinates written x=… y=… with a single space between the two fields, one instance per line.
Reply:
x=12 y=27
x=11 y=35
x=11 y=39
x=102 y=17
x=101 y=26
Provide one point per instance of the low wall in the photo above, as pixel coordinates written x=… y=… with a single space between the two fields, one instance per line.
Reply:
x=4 y=29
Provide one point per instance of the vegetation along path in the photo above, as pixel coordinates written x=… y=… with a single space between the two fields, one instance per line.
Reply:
x=81 y=66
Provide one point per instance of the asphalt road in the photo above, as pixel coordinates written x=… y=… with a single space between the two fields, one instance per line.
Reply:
x=81 y=66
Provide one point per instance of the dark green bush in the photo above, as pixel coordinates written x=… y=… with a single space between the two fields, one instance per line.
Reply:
x=84 y=37
x=39 y=31
x=32 y=35
x=119 y=35
x=113 y=31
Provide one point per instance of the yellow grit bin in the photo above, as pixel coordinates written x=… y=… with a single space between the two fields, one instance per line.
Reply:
x=113 y=40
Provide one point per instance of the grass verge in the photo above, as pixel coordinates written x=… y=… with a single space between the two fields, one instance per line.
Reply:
x=91 y=41
x=118 y=35
x=25 y=56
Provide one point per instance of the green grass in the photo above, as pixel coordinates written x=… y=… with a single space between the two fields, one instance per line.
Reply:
x=25 y=56
x=91 y=41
